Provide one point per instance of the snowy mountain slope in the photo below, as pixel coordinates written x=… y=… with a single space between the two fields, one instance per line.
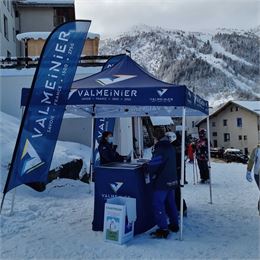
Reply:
x=56 y=224
x=221 y=64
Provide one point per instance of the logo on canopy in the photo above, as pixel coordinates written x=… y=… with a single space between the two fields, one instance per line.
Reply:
x=31 y=158
x=116 y=186
x=115 y=79
x=162 y=91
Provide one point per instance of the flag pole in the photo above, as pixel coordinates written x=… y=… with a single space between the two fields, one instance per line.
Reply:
x=182 y=169
x=2 y=202
x=140 y=136
x=91 y=166
x=14 y=192
x=209 y=162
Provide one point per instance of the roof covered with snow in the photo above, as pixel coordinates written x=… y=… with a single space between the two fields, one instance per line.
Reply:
x=44 y=35
x=45 y=2
x=253 y=106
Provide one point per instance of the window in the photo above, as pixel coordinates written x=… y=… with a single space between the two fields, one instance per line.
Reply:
x=225 y=122
x=226 y=137
x=8 y=54
x=236 y=108
x=240 y=137
x=246 y=151
x=5 y=27
x=239 y=122
x=215 y=134
x=215 y=143
x=245 y=137
x=193 y=123
x=62 y=15
x=231 y=109
x=213 y=124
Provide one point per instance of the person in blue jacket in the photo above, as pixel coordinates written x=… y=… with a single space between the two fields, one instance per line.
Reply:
x=107 y=150
x=162 y=169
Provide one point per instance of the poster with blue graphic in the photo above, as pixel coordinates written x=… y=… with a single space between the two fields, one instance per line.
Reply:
x=46 y=104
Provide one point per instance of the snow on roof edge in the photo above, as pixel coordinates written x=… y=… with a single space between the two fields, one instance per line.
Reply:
x=44 y=35
x=161 y=120
x=46 y=2
x=253 y=106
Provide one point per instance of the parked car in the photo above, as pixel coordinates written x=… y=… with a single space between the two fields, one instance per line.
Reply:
x=235 y=155
x=216 y=152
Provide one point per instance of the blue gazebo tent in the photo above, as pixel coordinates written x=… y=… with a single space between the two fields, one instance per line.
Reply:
x=125 y=89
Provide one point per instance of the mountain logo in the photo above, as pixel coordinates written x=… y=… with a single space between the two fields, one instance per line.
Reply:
x=31 y=158
x=72 y=91
x=162 y=91
x=116 y=186
x=115 y=79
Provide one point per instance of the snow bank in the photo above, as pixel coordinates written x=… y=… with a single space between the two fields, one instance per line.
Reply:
x=56 y=224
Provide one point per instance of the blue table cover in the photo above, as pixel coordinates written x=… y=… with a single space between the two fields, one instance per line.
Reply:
x=122 y=179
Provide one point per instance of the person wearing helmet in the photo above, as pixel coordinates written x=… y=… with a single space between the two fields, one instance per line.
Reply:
x=171 y=136
x=202 y=155
x=162 y=169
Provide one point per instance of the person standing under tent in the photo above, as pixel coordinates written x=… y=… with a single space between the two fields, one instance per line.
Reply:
x=162 y=169
x=202 y=156
x=177 y=146
x=107 y=150
x=254 y=161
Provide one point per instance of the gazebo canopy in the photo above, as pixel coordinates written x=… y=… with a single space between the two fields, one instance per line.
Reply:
x=126 y=89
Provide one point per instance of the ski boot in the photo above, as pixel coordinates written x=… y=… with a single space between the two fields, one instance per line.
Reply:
x=173 y=228
x=160 y=233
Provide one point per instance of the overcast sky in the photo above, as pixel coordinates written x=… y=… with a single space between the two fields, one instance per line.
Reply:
x=112 y=17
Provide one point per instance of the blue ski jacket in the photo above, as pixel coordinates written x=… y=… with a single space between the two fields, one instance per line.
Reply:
x=162 y=166
x=108 y=153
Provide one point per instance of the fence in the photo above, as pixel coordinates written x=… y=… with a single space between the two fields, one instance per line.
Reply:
x=31 y=62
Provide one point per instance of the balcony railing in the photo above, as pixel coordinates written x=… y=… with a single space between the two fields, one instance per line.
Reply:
x=32 y=62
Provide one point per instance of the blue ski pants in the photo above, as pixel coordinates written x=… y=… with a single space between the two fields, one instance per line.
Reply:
x=164 y=206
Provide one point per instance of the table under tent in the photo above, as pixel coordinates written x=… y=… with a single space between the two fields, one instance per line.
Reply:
x=125 y=89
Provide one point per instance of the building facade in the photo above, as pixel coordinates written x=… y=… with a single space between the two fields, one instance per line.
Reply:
x=235 y=125
x=41 y=16
x=7 y=29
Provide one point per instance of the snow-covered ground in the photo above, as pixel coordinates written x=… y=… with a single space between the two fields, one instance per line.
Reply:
x=56 y=224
